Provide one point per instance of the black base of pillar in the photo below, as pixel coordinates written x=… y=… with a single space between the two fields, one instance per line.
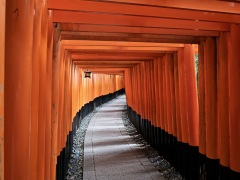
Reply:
x=193 y=162
x=224 y=172
x=212 y=168
x=185 y=158
x=234 y=175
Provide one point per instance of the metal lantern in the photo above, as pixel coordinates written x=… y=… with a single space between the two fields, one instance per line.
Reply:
x=87 y=74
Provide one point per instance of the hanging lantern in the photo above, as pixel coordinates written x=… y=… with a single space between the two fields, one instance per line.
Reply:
x=87 y=74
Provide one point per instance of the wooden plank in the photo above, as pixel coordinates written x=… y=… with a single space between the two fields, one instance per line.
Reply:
x=121 y=48
x=103 y=54
x=106 y=62
x=74 y=29
x=212 y=6
x=106 y=69
x=105 y=66
x=133 y=38
x=107 y=59
x=145 y=10
x=118 y=43
x=126 y=20
x=109 y=73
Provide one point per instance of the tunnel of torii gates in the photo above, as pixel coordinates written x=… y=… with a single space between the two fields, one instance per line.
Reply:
x=146 y=49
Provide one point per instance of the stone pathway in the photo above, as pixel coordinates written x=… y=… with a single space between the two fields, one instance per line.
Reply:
x=109 y=152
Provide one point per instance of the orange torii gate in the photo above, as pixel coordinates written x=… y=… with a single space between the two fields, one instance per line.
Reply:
x=52 y=91
x=165 y=97
x=128 y=44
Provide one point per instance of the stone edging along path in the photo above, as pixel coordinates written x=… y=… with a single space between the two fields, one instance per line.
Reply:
x=75 y=165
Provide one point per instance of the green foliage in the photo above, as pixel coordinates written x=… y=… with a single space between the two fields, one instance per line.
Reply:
x=196 y=65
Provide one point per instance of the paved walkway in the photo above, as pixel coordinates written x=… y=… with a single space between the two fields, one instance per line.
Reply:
x=109 y=152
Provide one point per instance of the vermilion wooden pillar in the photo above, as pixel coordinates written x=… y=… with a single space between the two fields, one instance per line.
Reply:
x=65 y=96
x=164 y=77
x=183 y=101
x=148 y=87
x=135 y=85
x=208 y=95
x=35 y=92
x=152 y=94
x=144 y=90
x=192 y=108
x=157 y=92
x=192 y=113
x=49 y=96
x=160 y=105
x=18 y=86
x=234 y=96
x=128 y=87
x=66 y=105
x=178 y=114
x=2 y=87
x=201 y=99
x=69 y=90
x=55 y=101
x=141 y=81
x=152 y=105
x=165 y=142
x=137 y=92
x=42 y=118
x=168 y=95
x=183 y=96
x=172 y=111
x=173 y=99
x=161 y=95
x=61 y=137
x=210 y=69
x=176 y=86
x=223 y=100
